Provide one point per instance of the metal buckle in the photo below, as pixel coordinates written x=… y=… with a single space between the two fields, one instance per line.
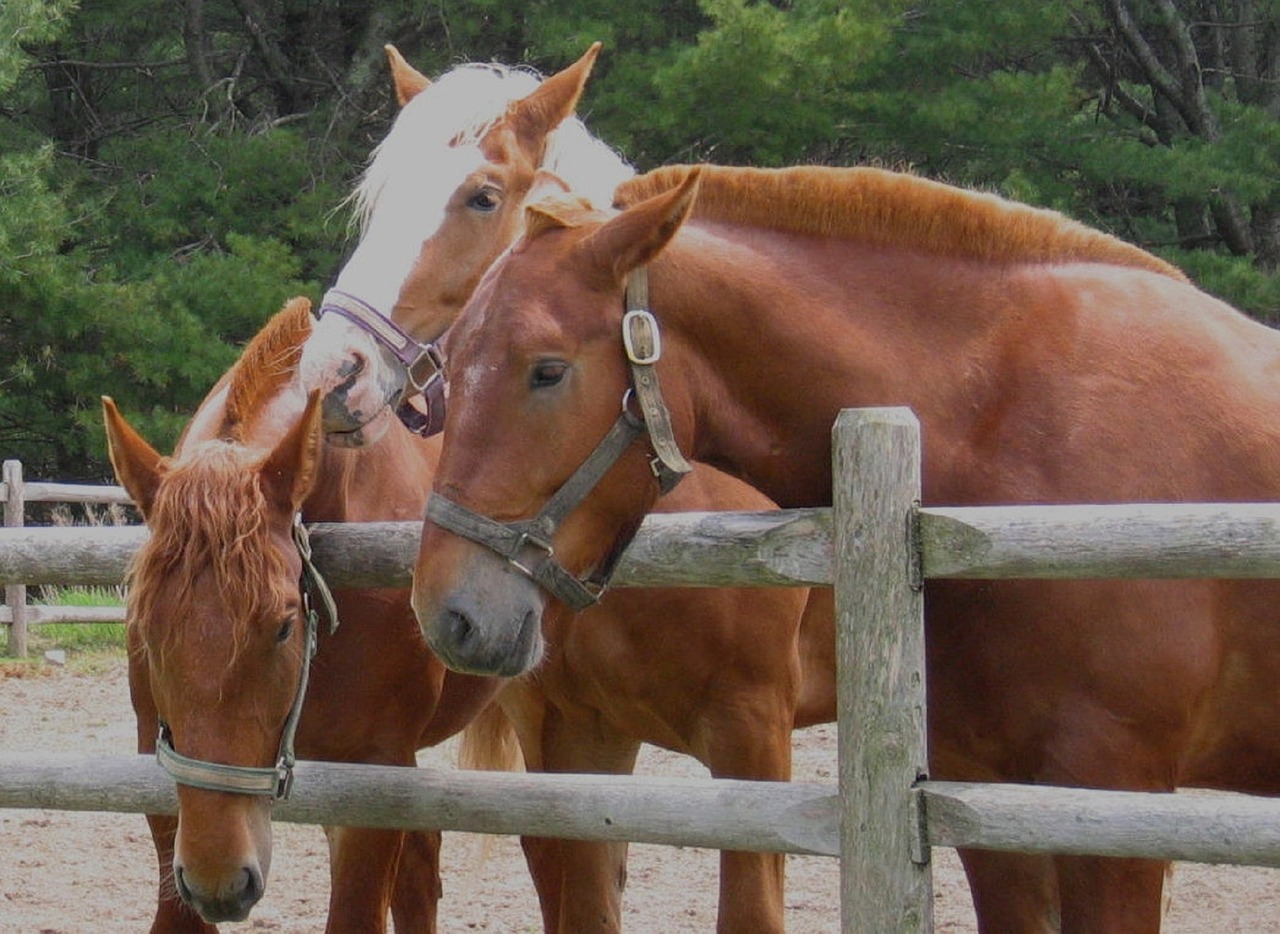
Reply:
x=528 y=538
x=284 y=781
x=640 y=330
x=429 y=363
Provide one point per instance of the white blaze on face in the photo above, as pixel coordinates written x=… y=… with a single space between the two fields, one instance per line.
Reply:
x=385 y=256
x=429 y=152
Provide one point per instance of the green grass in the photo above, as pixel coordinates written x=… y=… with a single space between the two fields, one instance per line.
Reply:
x=85 y=643
x=76 y=637
x=88 y=644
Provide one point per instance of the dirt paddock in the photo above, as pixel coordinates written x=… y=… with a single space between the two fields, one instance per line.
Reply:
x=77 y=873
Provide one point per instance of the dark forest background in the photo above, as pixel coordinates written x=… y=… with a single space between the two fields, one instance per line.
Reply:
x=171 y=170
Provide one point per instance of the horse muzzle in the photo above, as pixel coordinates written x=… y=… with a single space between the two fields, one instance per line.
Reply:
x=360 y=380
x=228 y=901
x=489 y=625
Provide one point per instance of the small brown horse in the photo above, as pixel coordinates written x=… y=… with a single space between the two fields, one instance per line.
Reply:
x=217 y=638
x=720 y=675
x=1047 y=363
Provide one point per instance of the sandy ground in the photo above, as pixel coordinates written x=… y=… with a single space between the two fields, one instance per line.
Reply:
x=75 y=873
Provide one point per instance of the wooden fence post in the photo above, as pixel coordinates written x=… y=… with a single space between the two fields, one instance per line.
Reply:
x=885 y=881
x=15 y=595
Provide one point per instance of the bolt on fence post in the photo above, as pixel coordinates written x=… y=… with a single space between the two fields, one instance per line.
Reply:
x=885 y=881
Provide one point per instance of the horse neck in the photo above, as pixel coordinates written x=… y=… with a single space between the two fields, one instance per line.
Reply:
x=385 y=481
x=771 y=336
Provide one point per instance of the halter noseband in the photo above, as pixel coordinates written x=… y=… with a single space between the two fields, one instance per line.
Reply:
x=276 y=781
x=423 y=364
x=527 y=543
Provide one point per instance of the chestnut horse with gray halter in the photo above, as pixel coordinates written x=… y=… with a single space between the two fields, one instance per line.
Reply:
x=1047 y=363
x=225 y=612
x=721 y=675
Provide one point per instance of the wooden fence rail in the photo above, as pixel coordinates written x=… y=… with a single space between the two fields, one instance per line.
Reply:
x=792 y=547
x=875 y=546
x=15 y=493
x=795 y=817
x=774 y=816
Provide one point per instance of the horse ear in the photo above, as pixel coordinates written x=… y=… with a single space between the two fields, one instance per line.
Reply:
x=288 y=473
x=557 y=208
x=545 y=185
x=535 y=116
x=408 y=81
x=137 y=465
x=639 y=233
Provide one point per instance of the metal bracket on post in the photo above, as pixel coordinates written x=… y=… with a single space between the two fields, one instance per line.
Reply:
x=921 y=851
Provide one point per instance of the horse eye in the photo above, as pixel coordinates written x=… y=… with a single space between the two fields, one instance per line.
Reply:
x=286 y=629
x=547 y=373
x=485 y=200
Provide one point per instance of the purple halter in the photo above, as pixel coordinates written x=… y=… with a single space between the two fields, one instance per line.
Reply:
x=423 y=364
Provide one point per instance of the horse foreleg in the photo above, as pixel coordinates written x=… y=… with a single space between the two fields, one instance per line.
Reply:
x=1013 y=893
x=362 y=873
x=546 y=868
x=173 y=916
x=752 y=896
x=579 y=884
x=592 y=874
x=1121 y=895
x=418 y=889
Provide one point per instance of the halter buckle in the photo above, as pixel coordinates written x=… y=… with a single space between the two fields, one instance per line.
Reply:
x=533 y=541
x=641 y=337
x=284 y=780
x=425 y=368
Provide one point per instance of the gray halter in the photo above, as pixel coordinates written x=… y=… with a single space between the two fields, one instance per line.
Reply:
x=527 y=543
x=274 y=781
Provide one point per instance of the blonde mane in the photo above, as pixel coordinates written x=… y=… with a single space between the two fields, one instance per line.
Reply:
x=893 y=209
x=268 y=362
x=431 y=149
x=455 y=111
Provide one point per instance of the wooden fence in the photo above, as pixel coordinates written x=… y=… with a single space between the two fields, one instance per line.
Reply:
x=875 y=546
x=16 y=612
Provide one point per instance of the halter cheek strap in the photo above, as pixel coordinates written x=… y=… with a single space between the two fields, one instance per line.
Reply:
x=527 y=543
x=275 y=782
x=642 y=342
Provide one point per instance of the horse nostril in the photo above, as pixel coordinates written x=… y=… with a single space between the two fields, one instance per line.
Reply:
x=458 y=627
x=354 y=365
x=253 y=886
x=180 y=882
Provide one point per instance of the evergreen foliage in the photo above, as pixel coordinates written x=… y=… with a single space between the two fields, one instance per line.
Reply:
x=170 y=173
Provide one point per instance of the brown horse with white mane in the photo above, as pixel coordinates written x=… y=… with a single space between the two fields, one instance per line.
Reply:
x=722 y=675
x=1047 y=363
x=220 y=638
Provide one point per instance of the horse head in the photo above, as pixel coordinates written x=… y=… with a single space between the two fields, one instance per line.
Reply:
x=218 y=634
x=483 y=133
x=541 y=376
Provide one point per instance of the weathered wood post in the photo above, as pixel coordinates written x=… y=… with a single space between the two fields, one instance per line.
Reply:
x=885 y=882
x=15 y=595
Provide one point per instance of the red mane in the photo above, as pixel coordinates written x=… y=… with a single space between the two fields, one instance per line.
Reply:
x=893 y=209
